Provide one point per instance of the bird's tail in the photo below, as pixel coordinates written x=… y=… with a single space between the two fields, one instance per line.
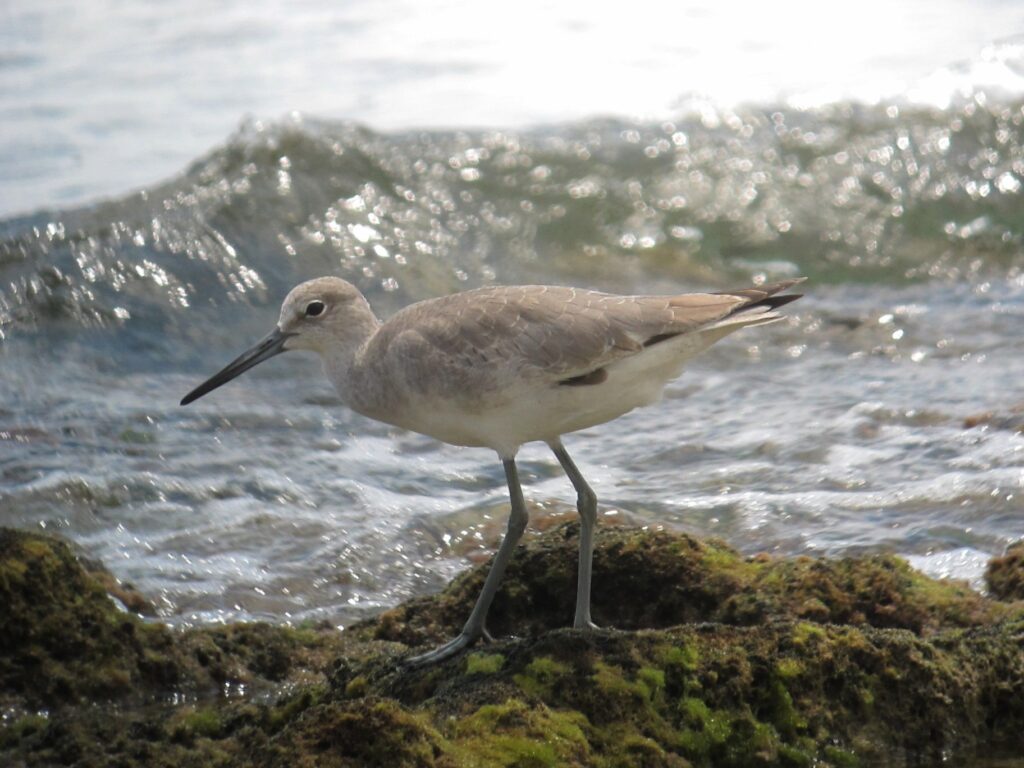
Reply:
x=761 y=307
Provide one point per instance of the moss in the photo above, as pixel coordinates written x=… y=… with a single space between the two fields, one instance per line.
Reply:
x=840 y=758
x=22 y=728
x=703 y=728
x=62 y=638
x=502 y=749
x=192 y=722
x=515 y=734
x=740 y=664
x=789 y=668
x=368 y=732
x=684 y=657
x=1005 y=575
x=652 y=680
x=781 y=713
x=635 y=751
x=679 y=664
x=356 y=687
x=720 y=559
x=620 y=697
x=541 y=676
x=484 y=664
x=290 y=707
x=685 y=580
x=263 y=650
x=806 y=633
x=794 y=756
x=866 y=696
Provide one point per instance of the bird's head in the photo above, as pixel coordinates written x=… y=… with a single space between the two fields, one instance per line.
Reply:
x=321 y=315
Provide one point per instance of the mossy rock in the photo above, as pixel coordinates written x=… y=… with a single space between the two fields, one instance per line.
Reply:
x=365 y=732
x=649 y=580
x=720 y=660
x=1005 y=575
x=743 y=696
x=63 y=639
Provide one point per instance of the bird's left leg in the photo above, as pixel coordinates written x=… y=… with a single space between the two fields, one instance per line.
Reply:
x=586 y=505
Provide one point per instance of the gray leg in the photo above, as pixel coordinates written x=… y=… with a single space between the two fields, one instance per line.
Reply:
x=474 y=628
x=586 y=505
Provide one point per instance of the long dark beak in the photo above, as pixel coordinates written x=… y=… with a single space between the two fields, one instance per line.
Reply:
x=271 y=345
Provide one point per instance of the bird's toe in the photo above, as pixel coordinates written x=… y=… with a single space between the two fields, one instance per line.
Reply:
x=454 y=646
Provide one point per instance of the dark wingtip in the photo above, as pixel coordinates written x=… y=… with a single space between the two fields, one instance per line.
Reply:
x=765 y=295
x=777 y=301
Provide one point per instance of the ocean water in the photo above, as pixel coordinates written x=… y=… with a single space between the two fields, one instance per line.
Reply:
x=151 y=228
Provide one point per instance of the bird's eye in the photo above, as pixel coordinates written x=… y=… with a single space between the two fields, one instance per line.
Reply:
x=315 y=308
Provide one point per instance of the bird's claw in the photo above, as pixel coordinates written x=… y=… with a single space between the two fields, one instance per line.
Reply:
x=445 y=651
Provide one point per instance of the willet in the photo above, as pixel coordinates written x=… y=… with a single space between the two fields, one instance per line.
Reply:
x=502 y=366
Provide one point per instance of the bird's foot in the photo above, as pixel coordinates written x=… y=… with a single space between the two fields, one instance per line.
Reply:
x=457 y=644
x=585 y=624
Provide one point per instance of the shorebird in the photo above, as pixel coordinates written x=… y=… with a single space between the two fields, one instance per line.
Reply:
x=501 y=366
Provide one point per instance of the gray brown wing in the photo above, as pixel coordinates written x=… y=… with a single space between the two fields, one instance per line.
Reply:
x=568 y=332
x=477 y=341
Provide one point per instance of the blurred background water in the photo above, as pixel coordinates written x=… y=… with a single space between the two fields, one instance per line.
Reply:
x=168 y=171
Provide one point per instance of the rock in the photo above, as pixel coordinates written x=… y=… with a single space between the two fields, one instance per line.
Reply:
x=648 y=579
x=63 y=640
x=1011 y=419
x=61 y=637
x=1005 y=575
x=718 y=660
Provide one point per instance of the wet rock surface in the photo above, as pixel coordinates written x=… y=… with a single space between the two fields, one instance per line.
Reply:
x=715 y=660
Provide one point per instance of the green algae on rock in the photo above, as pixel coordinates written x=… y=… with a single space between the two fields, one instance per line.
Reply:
x=720 y=695
x=649 y=579
x=64 y=640
x=1005 y=575
x=732 y=662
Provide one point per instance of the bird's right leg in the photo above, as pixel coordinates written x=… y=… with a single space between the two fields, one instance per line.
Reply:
x=475 y=626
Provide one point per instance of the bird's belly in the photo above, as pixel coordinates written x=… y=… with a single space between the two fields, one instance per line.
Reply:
x=534 y=414
x=542 y=409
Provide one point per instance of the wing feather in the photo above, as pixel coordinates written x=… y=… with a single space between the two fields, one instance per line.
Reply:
x=474 y=341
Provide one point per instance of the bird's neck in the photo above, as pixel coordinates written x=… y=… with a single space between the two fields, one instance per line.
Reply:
x=342 y=358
